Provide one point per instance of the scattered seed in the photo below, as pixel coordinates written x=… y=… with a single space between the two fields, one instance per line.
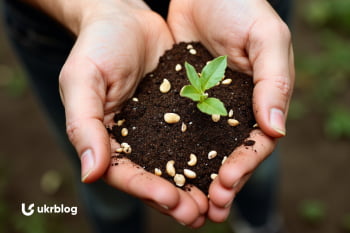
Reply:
x=193 y=160
x=179 y=180
x=226 y=81
x=126 y=147
x=193 y=51
x=171 y=118
x=233 y=122
x=124 y=132
x=178 y=67
x=189 y=46
x=124 y=144
x=215 y=117
x=183 y=127
x=127 y=150
x=230 y=113
x=189 y=173
x=135 y=99
x=165 y=86
x=170 y=169
x=256 y=125
x=119 y=150
x=223 y=159
x=120 y=122
x=212 y=154
x=157 y=172
x=213 y=176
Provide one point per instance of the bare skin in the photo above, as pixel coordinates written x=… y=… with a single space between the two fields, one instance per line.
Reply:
x=118 y=42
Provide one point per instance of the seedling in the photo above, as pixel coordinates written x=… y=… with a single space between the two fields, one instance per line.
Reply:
x=211 y=74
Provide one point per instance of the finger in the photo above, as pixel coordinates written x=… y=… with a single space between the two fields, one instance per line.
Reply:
x=199 y=197
x=131 y=178
x=186 y=212
x=217 y=214
x=220 y=195
x=273 y=71
x=244 y=160
x=82 y=91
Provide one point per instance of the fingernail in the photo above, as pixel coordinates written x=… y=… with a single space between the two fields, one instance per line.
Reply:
x=87 y=164
x=277 y=121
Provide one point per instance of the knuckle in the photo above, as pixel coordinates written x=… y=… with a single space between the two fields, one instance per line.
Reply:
x=283 y=84
x=72 y=129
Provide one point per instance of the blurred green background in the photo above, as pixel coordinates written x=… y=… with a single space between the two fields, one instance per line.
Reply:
x=315 y=154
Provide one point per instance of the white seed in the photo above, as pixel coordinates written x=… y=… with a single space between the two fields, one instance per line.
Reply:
x=189 y=173
x=124 y=132
x=213 y=176
x=189 y=46
x=119 y=150
x=171 y=118
x=157 y=172
x=223 y=159
x=226 y=81
x=178 y=67
x=179 y=180
x=169 y=168
x=215 y=117
x=193 y=51
x=230 y=113
x=126 y=147
x=232 y=122
x=135 y=99
x=120 y=122
x=256 y=125
x=127 y=150
x=183 y=127
x=124 y=144
x=212 y=154
x=193 y=160
x=165 y=86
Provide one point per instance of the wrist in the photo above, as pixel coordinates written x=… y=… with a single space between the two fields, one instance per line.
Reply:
x=68 y=13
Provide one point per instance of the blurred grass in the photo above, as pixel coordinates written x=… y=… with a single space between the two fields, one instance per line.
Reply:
x=323 y=71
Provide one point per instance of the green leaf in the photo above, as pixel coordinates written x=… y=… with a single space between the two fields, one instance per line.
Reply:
x=193 y=77
x=212 y=106
x=190 y=92
x=213 y=72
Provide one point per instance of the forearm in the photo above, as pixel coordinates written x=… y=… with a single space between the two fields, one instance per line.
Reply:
x=68 y=13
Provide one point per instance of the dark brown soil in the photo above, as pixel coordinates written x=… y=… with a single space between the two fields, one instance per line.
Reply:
x=154 y=142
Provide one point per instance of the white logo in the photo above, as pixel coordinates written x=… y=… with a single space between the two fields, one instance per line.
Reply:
x=30 y=208
x=46 y=209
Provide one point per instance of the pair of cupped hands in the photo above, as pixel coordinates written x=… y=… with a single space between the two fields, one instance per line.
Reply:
x=118 y=42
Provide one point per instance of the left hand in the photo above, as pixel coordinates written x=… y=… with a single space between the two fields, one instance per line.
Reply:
x=258 y=43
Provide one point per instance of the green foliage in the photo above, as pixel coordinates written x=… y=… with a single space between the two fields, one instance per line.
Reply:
x=312 y=211
x=345 y=223
x=323 y=71
x=211 y=74
x=338 y=123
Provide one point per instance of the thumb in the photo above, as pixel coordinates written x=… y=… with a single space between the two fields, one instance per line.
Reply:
x=82 y=90
x=273 y=71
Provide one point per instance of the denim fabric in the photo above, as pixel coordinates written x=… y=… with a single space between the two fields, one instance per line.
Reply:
x=43 y=46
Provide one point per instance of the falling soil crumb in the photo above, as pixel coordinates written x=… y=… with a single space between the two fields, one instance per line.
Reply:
x=153 y=142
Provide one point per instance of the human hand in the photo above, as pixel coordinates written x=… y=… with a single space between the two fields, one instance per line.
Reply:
x=257 y=42
x=118 y=42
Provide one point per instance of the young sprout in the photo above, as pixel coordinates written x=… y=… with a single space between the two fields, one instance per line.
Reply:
x=211 y=74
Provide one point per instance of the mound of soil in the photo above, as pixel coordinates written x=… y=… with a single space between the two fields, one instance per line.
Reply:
x=153 y=142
